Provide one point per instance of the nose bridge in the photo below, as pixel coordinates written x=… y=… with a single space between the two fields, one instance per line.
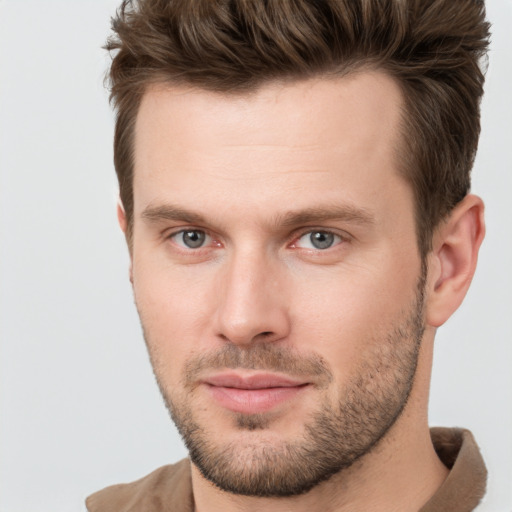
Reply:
x=250 y=304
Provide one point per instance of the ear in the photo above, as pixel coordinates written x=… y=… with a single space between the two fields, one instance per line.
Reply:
x=121 y=218
x=452 y=262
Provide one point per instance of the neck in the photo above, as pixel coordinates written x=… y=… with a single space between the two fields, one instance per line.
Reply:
x=400 y=473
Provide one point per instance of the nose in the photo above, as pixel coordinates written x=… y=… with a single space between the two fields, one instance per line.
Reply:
x=252 y=304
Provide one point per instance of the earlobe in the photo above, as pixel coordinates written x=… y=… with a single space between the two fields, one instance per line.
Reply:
x=452 y=262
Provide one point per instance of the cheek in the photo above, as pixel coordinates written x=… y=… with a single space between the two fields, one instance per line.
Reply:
x=174 y=310
x=339 y=312
x=343 y=315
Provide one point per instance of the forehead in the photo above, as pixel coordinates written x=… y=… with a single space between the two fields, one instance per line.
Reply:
x=317 y=112
x=335 y=137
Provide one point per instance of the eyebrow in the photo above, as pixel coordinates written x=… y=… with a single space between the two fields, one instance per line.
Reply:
x=170 y=212
x=346 y=213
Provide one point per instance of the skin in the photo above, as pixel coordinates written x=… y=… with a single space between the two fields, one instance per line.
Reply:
x=257 y=173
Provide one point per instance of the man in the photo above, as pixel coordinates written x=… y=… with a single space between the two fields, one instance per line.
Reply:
x=294 y=182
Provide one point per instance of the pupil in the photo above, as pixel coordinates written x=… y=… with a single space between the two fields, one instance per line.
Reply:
x=321 y=240
x=193 y=239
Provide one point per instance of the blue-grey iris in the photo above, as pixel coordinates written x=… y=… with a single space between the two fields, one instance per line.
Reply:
x=193 y=239
x=321 y=239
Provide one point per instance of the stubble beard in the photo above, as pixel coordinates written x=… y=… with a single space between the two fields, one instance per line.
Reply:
x=335 y=436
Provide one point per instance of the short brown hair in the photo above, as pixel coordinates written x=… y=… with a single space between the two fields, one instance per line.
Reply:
x=433 y=48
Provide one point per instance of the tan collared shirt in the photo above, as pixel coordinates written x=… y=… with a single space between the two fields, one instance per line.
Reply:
x=169 y=488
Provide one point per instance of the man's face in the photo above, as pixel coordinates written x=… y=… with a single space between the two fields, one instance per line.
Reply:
x=276 y=274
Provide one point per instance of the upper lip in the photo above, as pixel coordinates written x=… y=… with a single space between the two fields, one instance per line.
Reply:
x=252 y=381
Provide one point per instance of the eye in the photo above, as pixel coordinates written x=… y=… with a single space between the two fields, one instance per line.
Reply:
x=319 y=240
x=191 y=238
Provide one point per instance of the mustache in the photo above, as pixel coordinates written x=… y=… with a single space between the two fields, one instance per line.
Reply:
x=263 y=357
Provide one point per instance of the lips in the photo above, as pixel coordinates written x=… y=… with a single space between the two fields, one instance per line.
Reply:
x=252 y=393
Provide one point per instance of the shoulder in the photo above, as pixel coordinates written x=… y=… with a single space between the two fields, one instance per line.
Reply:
x=465 y=485
x=166 y=485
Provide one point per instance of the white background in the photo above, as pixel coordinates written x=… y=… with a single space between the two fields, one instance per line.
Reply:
x=79 y=407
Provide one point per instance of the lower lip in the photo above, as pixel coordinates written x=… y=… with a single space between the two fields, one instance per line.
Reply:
x=253 y=401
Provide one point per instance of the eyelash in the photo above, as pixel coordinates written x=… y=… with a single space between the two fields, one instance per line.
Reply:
x=338 y=239
x=175 y=234
x=341 y=238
